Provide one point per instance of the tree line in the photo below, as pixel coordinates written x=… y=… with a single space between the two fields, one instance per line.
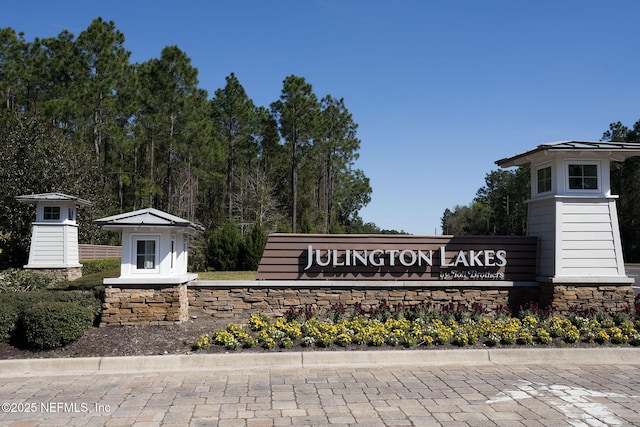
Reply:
x=76 y=116
x=500 y=207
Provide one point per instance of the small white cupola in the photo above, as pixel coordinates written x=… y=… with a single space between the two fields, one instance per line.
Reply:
x=54 y=235
x=155 y=247
x=572 y=210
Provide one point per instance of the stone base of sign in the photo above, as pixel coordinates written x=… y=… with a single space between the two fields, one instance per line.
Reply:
x=67 y=274
x=224 y=300
x=238 y=300
x=565 y=298
x=145 y=305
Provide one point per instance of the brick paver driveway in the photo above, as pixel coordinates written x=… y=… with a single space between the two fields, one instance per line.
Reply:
x=588 y=395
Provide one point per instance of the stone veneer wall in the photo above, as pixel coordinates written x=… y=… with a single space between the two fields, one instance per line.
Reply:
x=238 y=303
x=173 y=304
x=62 y=274
x=564 y=298
x=145 y=305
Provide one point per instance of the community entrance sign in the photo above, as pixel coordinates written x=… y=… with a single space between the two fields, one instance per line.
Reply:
x=570 y=259
x=397 y=257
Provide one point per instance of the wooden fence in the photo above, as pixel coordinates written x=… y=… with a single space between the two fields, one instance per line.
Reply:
x=89 y=252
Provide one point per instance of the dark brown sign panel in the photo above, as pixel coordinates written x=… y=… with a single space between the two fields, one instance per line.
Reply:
x=397 y=257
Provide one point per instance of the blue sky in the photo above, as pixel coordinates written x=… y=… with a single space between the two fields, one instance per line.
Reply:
x=440 y=89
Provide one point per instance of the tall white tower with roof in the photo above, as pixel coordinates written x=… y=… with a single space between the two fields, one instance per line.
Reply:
x=54 y=234
x=572 y=210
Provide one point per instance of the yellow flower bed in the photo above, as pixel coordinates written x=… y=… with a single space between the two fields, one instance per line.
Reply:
x=420 y=329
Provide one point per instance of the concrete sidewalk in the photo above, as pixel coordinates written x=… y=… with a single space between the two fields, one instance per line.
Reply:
x=541 y=387
x=314 y=359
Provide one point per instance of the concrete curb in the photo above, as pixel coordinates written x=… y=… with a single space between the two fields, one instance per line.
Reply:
x=317 y=359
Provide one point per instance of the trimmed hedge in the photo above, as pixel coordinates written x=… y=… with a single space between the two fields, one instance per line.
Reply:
x=13 y=307
x=100 y=265
x=21 y=301
x=16 y=280
x=9 y=315
x=54 y=324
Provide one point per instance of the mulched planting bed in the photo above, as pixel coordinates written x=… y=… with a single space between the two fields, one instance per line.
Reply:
x=124 y=341
x=180 y=339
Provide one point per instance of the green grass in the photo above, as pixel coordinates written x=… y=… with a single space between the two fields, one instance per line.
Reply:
x=89 y=281
x=93 y=280
x=227 y=275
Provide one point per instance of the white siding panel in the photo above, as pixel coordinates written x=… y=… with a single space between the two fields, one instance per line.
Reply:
x=581 y=208
x=594 y=244
x=587 y=240
x=583 y=218
x=49 y=237
x=47 y=245
x=586 y=227
x=576 y=236
x=542 y=215
x=53 y=248
x=588 y=254
x=543 y=206
x=50 y=244
x=42 y=257
x=541 y=224
x=49 y=233
x=591 y=236
x=72 y=246
x=589 y=264
x=581 y=271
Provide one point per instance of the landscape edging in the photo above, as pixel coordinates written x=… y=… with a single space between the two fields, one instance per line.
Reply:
x=311 y=359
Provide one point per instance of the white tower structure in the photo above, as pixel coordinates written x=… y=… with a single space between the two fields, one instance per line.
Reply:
x=572 y=210
x=155 y=247
x=54 y=234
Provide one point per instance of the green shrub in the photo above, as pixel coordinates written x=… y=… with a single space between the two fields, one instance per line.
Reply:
x=254 y=245
x=8 y=321
x=100 y=265
x=228 y=250
x=88 y=299
x=21 y=301
x=13 y=305
x=54 y=324
x=16 y=280
x=226 y=247
x=197 y=255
